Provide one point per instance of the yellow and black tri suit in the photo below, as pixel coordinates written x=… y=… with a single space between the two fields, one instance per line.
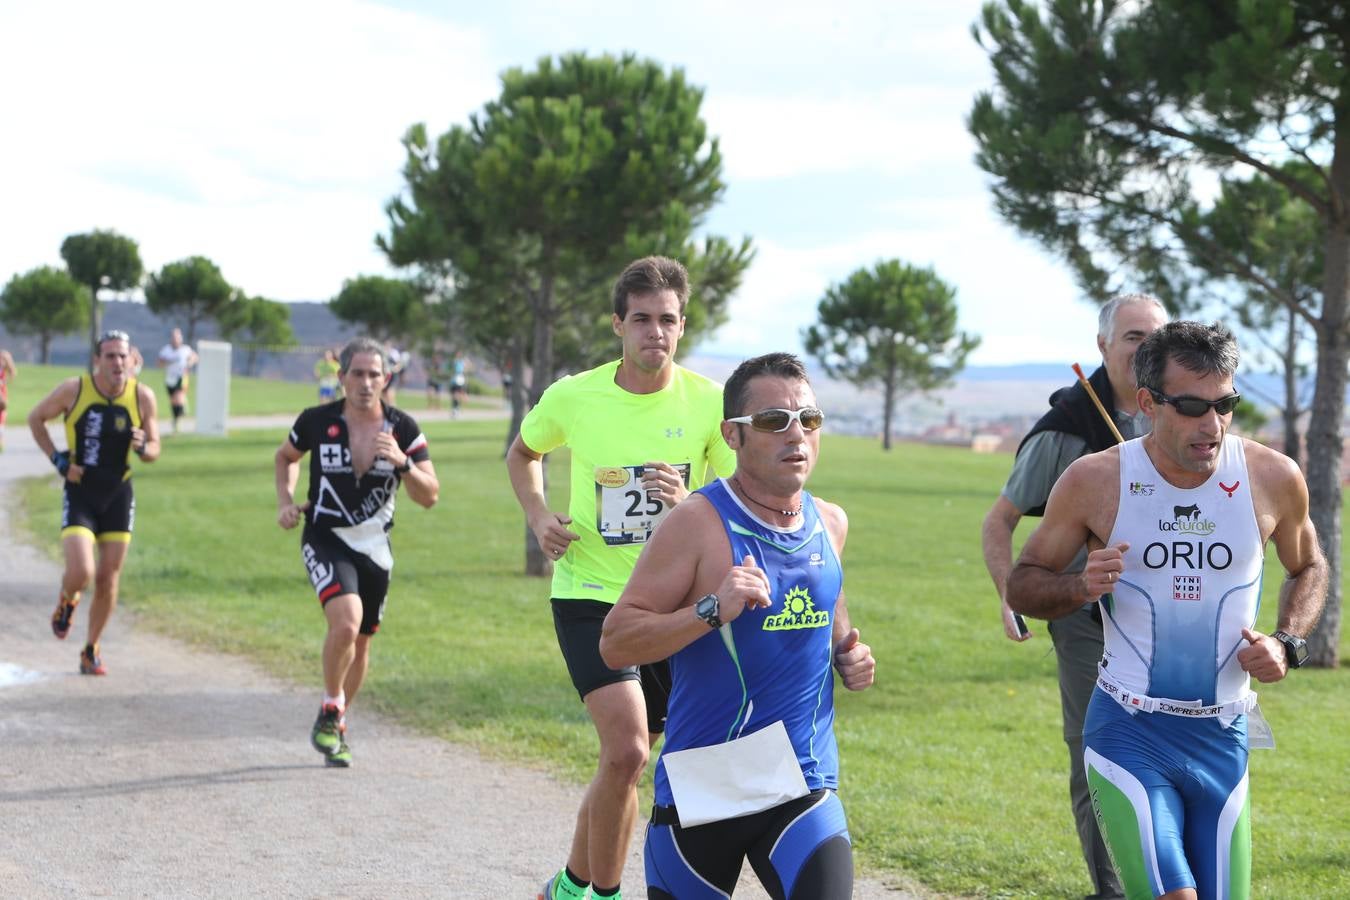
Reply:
x=98 y=432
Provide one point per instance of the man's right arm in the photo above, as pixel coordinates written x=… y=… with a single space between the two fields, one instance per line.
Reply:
x=287 y=461
x=685 y=558
x=526 y=471
x=996 y=540
x=1039 y=463
x=1038 y=585
x=57 y=403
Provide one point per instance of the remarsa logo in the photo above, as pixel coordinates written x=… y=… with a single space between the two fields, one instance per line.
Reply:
x=1188 y=555
x=1187 y=521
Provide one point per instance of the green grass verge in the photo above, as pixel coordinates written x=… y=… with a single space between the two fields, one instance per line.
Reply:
x=953 y=767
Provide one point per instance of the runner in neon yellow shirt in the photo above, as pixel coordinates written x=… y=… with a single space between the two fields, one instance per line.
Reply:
x=643 y=433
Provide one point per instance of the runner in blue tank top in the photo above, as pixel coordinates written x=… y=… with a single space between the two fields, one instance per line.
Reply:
x=1176 y=524
x=741 y=588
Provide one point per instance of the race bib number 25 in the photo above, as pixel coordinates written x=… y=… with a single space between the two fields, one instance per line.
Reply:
x=626 y=512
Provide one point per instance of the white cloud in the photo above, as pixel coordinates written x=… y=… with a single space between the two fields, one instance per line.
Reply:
x=267 y=133
x=891 y=131
x=1024 y=307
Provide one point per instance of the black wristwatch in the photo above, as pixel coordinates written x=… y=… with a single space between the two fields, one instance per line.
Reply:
x=407 y=464
x=1295 y=648
x=706 y=609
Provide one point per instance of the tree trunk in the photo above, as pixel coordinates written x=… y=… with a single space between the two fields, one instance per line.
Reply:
x=1328 y=409
x=536 y=563
x=888 y=407
x=45 y=344
x=95 y=324
x=516 y=394
x=1292 y=442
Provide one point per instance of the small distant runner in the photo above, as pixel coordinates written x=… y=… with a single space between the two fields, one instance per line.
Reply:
x=326 y=373
x=7 y=371
x=177 y=359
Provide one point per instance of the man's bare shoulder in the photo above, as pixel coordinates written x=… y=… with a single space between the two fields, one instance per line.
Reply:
x=1093 y=468
x=834 y=518
x=688 y=520
x=1271 y=466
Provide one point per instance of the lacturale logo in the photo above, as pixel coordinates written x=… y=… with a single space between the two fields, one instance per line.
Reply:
x=1187 y=520
x=798 y=612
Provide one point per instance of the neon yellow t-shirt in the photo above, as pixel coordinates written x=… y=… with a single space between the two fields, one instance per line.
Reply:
x=612 y=433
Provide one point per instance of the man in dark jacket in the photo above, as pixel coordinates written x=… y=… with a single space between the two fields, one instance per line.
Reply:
x=1072 y=428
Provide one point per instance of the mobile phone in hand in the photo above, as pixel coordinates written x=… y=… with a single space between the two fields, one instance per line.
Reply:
x=1021 y=625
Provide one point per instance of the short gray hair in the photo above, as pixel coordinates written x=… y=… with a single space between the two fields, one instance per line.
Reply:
x=1106 y=318
x=359 y=345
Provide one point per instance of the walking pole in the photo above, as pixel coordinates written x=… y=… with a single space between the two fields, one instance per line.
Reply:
x=1078 y=370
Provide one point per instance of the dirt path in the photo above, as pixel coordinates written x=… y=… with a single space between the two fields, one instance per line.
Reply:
x=187 y=773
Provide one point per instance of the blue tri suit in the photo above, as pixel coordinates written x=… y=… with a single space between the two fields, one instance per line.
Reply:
x=768 y=665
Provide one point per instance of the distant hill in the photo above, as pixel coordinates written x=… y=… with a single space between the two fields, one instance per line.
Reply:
x=1010 y=394
x=315 y=328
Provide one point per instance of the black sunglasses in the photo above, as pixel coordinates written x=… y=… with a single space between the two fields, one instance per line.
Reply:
x=781 y=419
x=1194 y=407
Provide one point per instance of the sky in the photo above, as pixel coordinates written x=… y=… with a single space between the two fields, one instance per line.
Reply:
x=266 y=136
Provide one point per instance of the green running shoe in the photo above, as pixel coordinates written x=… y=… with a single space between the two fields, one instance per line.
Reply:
x=341 y=759
x=326 y=735
x=560 y=887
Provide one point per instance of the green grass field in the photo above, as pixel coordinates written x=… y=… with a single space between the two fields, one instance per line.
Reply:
x=954 y=772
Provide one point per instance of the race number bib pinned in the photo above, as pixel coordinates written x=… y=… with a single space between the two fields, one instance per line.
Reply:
x=626 y=512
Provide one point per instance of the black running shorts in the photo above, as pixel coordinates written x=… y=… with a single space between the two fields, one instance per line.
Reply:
x=108 y=513
x=336 y=569
x=578 y=624
x=173 y=387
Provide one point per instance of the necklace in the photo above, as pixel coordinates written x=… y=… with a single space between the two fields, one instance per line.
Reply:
x=783 y=512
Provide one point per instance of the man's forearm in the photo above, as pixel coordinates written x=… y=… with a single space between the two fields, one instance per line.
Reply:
x=423 y=486
x=1302 y=597
x=286 y=476
x=996 y=542
x=1038 y=592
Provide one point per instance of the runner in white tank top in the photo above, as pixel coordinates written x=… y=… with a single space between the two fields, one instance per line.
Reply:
x=1191 y=582
x=1176 y=524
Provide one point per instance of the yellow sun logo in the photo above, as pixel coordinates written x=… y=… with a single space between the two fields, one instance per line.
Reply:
x=798 y=612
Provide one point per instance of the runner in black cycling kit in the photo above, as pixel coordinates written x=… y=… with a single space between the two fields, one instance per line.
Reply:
x=361 y=450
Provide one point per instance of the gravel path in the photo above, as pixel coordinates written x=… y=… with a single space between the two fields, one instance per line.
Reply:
x=187 y=773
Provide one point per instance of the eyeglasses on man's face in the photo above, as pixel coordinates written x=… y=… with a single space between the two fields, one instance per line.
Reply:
x=773 y=420
x=1195 y=407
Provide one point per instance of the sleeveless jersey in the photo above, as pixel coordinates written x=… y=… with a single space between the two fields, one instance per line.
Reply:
x=358 y=511
x=98 y=433
x=611 y=433
x=1192 y=580
x=769 y=664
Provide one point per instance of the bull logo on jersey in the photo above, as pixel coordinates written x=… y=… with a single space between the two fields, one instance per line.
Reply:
x=798 y=612
x=1188 y=520
x=121 y=421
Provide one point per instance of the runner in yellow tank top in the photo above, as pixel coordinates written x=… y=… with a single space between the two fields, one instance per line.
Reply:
x=108 y=416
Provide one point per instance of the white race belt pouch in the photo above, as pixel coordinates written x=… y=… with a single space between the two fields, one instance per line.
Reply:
x=744 y=776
